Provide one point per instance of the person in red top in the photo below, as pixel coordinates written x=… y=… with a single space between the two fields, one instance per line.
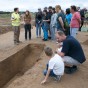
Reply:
x=75 y=21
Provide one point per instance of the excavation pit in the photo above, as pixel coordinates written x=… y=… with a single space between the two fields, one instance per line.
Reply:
x=19 y=62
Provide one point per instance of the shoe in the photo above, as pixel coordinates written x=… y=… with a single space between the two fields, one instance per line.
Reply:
x=58 y=77
x=45 y=40
x=49 y=37
x=70 y=70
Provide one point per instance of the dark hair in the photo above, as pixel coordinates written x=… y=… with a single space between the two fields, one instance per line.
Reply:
x=15 y=9
x=50 y=7
x=53 y=10
x=74 y=8
x=29 y=14
x=68 y=11
x=45 y=11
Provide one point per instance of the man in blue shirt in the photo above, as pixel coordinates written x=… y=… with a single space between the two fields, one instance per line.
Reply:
x=71 y=52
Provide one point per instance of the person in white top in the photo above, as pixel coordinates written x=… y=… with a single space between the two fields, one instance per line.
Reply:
x=55 y=66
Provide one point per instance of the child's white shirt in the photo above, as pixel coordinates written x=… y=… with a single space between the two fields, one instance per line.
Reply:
x=57 y=65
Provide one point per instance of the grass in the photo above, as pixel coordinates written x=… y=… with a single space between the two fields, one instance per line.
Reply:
x=5 y=15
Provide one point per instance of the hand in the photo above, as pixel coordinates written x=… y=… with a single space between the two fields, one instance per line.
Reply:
x=44 y=81
x=56 y=51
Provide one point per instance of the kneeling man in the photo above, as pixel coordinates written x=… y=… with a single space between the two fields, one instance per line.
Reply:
x=71 y=52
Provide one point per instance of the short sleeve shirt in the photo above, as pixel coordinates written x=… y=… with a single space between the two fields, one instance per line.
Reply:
x=74 y=22
x=57 y=65
x=72 y=48
x=61 y=14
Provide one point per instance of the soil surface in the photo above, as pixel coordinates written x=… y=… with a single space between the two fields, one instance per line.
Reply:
x=33 y=76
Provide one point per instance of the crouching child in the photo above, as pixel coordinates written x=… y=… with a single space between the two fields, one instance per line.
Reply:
x=55 y=66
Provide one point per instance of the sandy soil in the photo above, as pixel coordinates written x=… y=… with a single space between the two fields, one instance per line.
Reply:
x=33 y=77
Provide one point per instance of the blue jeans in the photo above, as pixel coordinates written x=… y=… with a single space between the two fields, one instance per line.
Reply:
x=45 y=30
x=51 y=72
x=73 y=32
x=38 y=29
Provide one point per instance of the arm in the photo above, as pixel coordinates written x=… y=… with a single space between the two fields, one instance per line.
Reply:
x=61 y=54
x=46 y=20
x=78 y=17
x=46 y=77
x=61 y=22
x=13 y=18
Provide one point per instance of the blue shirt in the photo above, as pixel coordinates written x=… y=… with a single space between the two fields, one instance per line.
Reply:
x=72 y=48
x=68 y=18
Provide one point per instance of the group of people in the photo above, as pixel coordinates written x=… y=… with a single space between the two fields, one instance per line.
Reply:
x=67 y=57
x=49 y=20
x=57 y=26
x=16 y=22
x=55 y=19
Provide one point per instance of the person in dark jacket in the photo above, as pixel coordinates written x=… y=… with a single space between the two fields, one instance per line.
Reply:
x=38 y=22
x=71 y=52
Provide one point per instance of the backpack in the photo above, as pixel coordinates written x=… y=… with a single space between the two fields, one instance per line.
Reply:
x=66 y=25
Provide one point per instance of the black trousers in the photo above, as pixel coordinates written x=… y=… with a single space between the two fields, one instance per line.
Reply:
x=27 y=30
x=82 y=23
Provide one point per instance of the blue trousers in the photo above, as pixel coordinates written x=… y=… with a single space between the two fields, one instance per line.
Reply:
x=38 y=30
x=45 y=30
x=51 y=72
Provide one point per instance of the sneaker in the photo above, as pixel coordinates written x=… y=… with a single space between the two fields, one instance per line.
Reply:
x=49 y=37
x=70 y=70
x=58 y=77
x=45 y=40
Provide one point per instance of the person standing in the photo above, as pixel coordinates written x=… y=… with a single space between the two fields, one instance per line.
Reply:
x=60 y=18
x=75 y=22
x=27 y=26
x=53 y=24
x=46 y=25
x=82 y=14
x=38 y=22
x=15 y=18
x=49 y=18
x=68 y=20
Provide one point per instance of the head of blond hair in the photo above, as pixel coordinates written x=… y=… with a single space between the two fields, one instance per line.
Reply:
x=57 y=8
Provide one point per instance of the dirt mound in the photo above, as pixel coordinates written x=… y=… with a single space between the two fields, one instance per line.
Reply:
x=5 y=29
x=86 y=42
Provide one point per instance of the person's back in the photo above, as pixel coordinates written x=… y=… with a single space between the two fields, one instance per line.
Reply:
x=62 y=15
x=56 y=63
x=72 y=48
x=68 y=18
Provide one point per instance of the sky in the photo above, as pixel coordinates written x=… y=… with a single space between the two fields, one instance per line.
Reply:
x=33 y=5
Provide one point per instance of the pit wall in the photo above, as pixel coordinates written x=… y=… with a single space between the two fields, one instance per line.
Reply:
x=19 y=61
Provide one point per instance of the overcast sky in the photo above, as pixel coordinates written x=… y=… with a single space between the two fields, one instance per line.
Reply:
x=33 y=5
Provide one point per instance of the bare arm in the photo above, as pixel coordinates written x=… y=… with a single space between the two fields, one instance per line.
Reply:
x=46 y=77
x=60 y=53
x=61 y=22
x=46 y=20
